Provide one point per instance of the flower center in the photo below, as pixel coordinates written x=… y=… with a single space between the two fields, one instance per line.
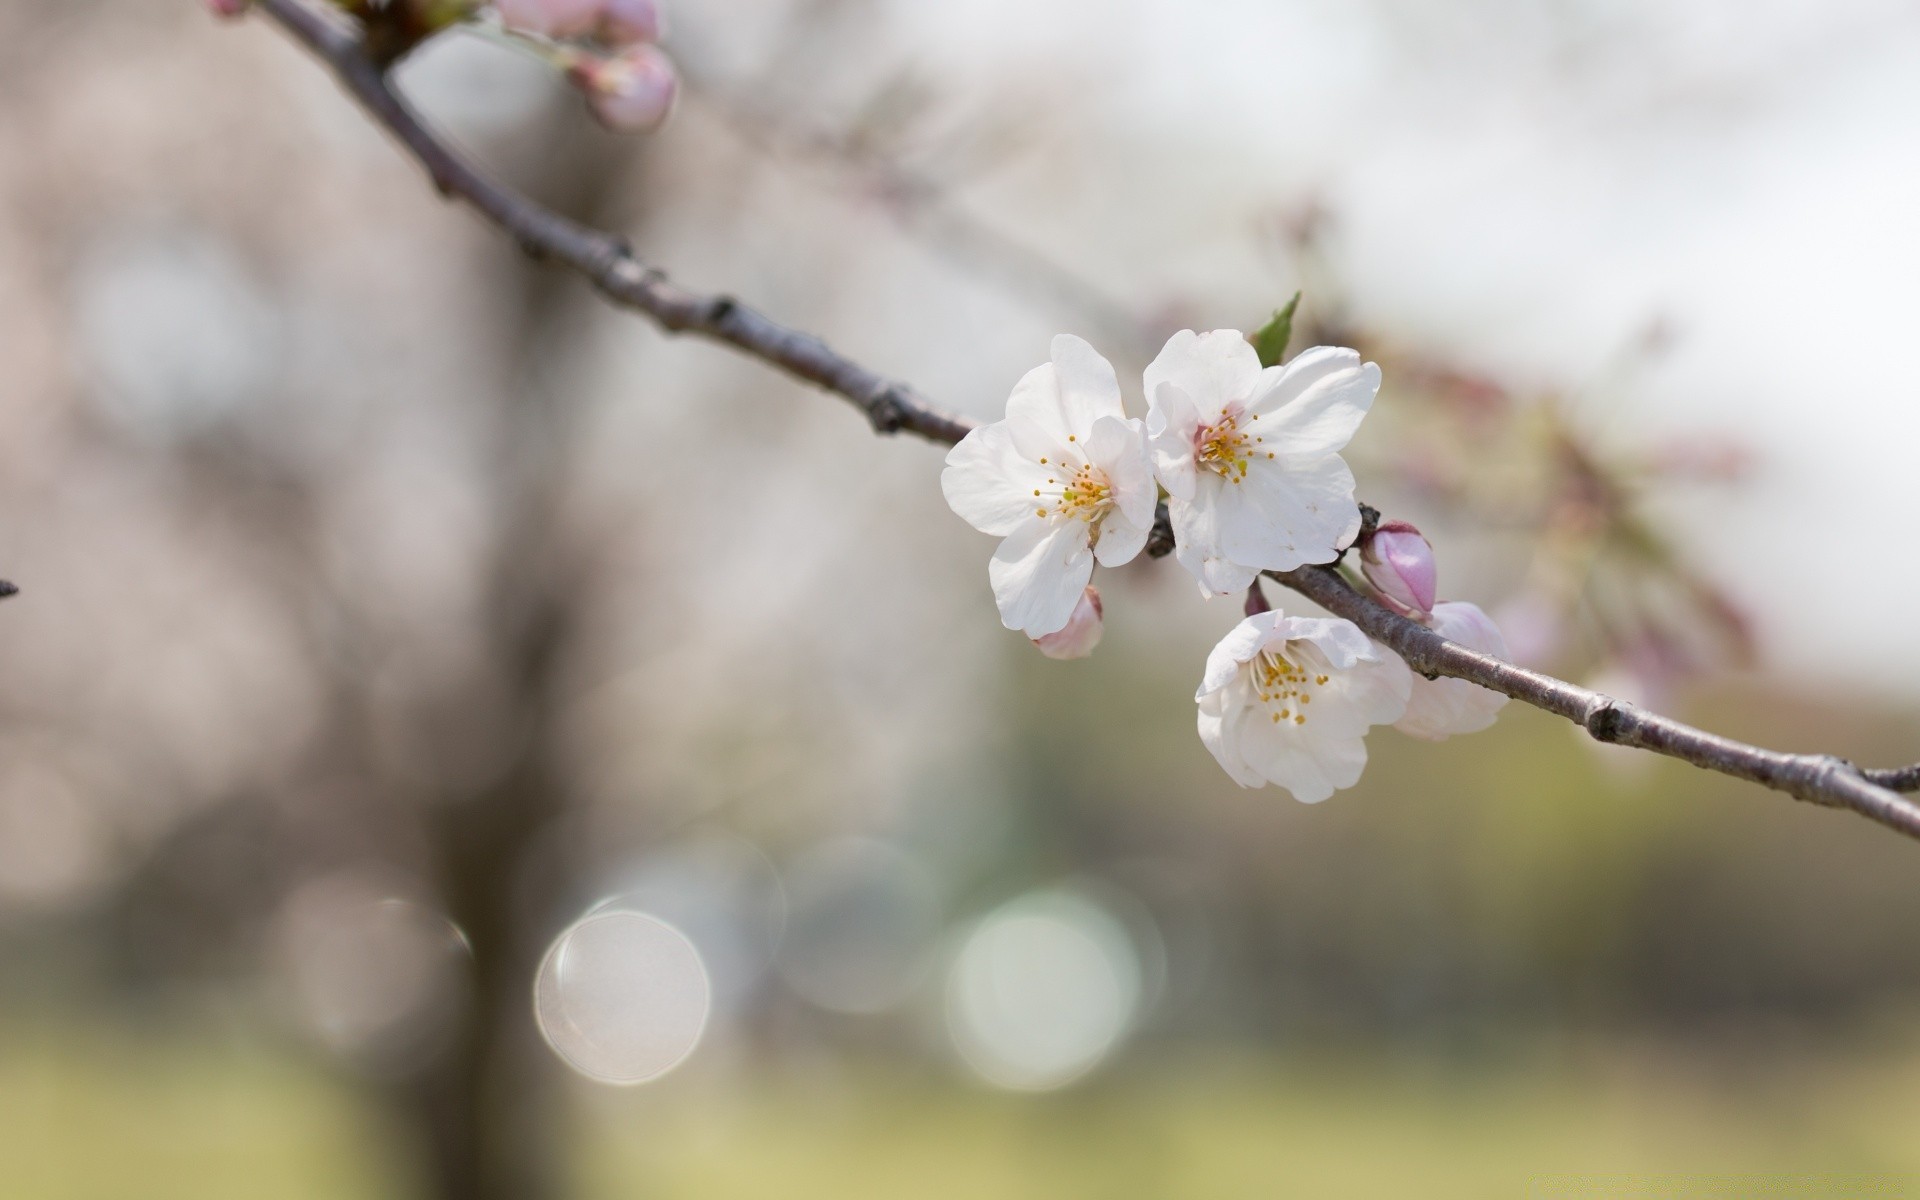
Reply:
x=1225 y=448
x=1285 y=686
x=1087 y=494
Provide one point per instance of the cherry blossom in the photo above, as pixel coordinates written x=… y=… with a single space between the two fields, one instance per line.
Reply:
x=632 y=91
x=1250 y=457
x=1081 y=633
x=1398 y=562
x=1289 y=700
x=1439 y=708
x=1063 y=480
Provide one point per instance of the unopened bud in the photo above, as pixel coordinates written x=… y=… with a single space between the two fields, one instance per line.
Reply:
x=632 y=91
x=1398 y=562
x=549 y=18
x=631 y=22
x=227 y=8
x=1081 y=633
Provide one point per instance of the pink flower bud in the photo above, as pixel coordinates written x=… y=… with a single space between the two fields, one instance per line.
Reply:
x=631 y=22
x=632 y=91
x=1398 y=562
x=549 y=18
x=227 y=8
x=1082 y=631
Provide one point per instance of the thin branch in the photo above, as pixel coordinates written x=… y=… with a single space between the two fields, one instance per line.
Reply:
x=893 y=407
x=607 y=262
x=1816 y=778
x=1896 y=779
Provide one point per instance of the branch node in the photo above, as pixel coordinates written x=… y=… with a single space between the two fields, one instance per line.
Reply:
x=1608 y=722
x=886 y=413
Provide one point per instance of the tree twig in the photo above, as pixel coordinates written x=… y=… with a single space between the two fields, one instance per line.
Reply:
x=1896 y=779
x=603 y=259
x=893 y=407
x=1816 y=778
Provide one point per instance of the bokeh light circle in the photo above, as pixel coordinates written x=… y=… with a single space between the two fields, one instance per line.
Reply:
x=622 y=997
x=1042 y=990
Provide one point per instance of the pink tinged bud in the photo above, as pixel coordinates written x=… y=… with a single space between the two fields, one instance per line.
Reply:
x=550 y=18
x=1398 y=562
x=631 y=22
x=632 y=91
x=227 y=8
x=1081 y=633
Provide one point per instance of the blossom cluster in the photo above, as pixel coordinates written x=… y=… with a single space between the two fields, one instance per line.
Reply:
x=1247 y=457
x=610 y=51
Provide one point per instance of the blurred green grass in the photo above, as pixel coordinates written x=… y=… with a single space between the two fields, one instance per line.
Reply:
x=99 y=1111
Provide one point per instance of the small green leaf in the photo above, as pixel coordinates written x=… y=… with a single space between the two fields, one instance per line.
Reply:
x=1271 y=342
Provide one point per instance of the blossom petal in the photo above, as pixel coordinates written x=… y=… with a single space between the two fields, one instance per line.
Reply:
x=1035 y=420
x=1089 y=389
x=1440 y=708
x=1312 y=406
x=1119 y=448
x=1310 y=766
x=1281 y=516
x=1371 y=692
x=1214 y=369
x=1242 y=642
x=1221 y=726
x=1196 y=543
x=1039 y=573
x=988 y=483
x=1337 y=639
x=1172 y=420
x=1120 y=540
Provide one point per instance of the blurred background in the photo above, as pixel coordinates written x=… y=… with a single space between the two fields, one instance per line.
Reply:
x=438 y=701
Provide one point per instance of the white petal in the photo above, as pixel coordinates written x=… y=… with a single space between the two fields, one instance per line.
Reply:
x=1172 y=420
x=1214 y=369
x=1034 y=416
x=988 y=483
x=1311 y=407
x=1311 y=767
x=1119 y=448
x=1282 y=514
x=1089 y=389
x=1119 y=540
x=1038 y=574
x=1440 y=708
x=1372 y=692
x=1196 y=542
x=1220 y=729
x=1337 y=639
x=1236 y=649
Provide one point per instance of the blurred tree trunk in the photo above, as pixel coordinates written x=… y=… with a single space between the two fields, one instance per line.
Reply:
x=485 y=1110
x=485 y=1107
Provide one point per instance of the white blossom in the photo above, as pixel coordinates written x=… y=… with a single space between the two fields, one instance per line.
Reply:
x=1063 y=480
x=1440 y=708
x=1289 y=700
x=1250 y=457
